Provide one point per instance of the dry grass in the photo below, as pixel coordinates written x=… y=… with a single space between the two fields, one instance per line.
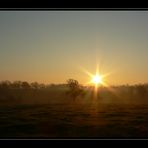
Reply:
x=74 y=120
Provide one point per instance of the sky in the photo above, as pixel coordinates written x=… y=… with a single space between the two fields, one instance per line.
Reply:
x=53 y=46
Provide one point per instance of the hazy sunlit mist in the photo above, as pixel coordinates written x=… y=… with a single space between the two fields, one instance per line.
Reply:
x=96 y=79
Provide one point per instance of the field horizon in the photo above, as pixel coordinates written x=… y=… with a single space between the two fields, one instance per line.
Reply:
x=47 y=111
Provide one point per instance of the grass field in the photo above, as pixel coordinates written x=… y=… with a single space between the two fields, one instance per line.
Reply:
x=74 y=120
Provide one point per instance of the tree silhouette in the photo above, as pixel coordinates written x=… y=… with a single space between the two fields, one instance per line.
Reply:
x=142 y=91
x=16 y=84
x=73 y=84
x=34 y=85
x=75 y=89
x=25 y=85
x=5 y=84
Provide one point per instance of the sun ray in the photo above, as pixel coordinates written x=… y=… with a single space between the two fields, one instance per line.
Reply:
x=98 y=80
x=87 y=72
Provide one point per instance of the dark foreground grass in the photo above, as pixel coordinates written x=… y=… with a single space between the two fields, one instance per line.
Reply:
x=74 y=120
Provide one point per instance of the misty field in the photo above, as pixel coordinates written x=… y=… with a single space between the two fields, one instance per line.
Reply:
x=72 y=111
x=74 y=120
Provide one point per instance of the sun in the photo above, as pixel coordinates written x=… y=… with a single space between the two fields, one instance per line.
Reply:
x=97 y=79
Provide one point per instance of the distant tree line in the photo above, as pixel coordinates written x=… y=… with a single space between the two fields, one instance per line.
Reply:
x=139 y=91
x=23 y=91
x=72 y=89
x=26 y=85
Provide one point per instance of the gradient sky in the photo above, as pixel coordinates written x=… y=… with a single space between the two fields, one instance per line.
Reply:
x=52 y=46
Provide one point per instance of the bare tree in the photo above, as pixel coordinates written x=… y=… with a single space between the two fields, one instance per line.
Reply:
x=75 y=89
